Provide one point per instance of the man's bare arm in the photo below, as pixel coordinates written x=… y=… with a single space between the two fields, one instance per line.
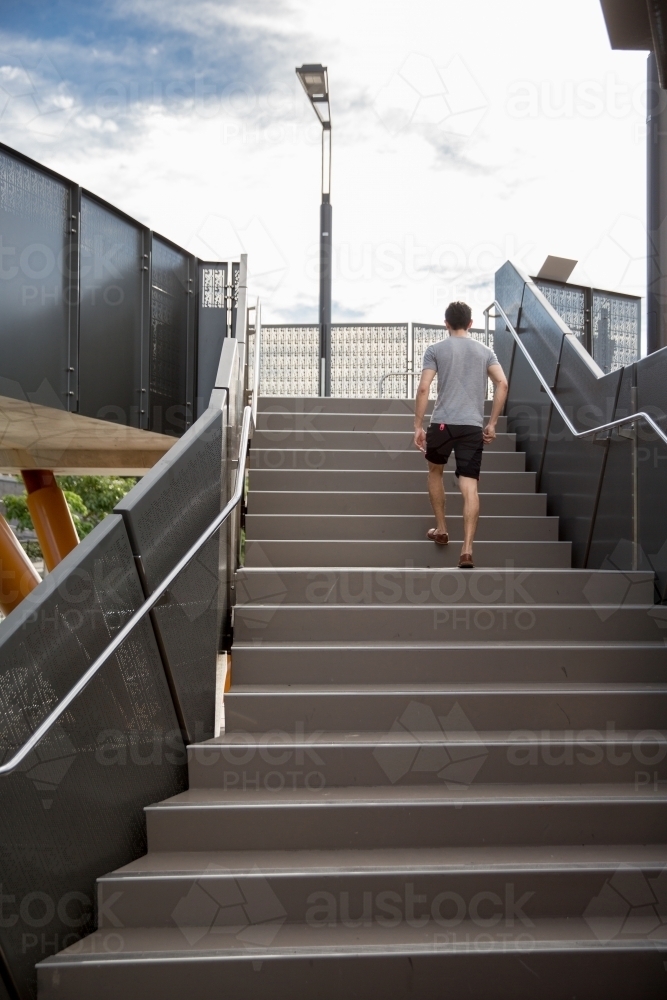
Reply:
x=497 y=376
x=421 y=402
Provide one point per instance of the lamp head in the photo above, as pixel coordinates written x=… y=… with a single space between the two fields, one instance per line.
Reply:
x=315 y=81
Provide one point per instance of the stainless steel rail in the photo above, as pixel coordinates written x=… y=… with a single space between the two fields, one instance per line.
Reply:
x=253 y=390
x=149 y=603
x=630 y=419
x=390 y=375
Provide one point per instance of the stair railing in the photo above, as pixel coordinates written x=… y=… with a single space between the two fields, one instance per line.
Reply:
x=247 y=429
x=592 y=434
x=629 y=419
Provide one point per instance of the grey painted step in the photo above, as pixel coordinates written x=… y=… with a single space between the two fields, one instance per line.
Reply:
x=262 y=662
x=205 y=819
x=378 y=480
x=392 y=441
x=514 y=888
x=381 y=459
x=391 y=554
x=285 y=502
x=403 y=623
x=395 y=527
x=425 y=961
x=374 y=422
x=531 y=708
x=333 y=404
x=444 y=586
x=398 y=759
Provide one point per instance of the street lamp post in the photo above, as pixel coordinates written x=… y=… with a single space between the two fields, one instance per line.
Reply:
x=315 y=82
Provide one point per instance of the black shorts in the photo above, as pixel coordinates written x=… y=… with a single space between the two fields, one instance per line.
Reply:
x=464 y=440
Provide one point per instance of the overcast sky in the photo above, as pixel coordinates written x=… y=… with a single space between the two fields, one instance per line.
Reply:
x=463 y=134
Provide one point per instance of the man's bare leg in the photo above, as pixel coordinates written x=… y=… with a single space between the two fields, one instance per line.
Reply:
x=436 y=494
x=468 y=488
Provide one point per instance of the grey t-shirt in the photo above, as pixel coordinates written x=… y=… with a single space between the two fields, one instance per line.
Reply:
x=461 y=364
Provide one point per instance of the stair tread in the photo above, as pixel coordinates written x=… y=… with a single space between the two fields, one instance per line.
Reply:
x=639 y=575
x=403 y=795
x=445 y=644
x=420 y=859
x=461 y=606
x=382 y=738
x=450 y=690
x=546 y=934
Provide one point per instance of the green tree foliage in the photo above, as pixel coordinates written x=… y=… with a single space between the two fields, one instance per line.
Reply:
x=89 y=498
x=98 y=495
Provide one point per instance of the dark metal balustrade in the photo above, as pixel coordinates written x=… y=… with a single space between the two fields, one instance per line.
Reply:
x=108 y=669
x=101 y=316
x=608 y=488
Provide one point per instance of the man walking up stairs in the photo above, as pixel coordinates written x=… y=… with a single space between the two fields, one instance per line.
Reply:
x=462 y=366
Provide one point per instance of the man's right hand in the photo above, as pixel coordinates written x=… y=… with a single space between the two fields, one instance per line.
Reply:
x=489 y=432
x=420 y=438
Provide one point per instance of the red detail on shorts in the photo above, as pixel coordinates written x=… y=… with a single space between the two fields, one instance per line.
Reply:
x=442 y=427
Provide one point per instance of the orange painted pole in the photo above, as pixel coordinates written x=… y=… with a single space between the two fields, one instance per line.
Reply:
x=18 y=576
x=50 y=515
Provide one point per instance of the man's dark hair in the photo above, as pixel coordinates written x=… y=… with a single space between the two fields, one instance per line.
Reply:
x=458 y=315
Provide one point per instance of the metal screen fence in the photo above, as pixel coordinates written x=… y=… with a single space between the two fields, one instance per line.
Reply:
x=290 y=360
x=608 y=324
x=361 y=354
x=616 y=329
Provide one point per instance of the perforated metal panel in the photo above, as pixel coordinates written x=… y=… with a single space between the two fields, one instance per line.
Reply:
x=290 y=360
x=113 y=340
x=615 y=321
x=362 y=354
x=170 y=367
x=165 y=514
x=211 y=328
x=38 y=294
x=616 y=330
x=542 y=331
x=569 y=303
x=74 y=809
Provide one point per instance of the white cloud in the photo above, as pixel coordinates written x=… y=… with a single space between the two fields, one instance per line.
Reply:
x=431 y=162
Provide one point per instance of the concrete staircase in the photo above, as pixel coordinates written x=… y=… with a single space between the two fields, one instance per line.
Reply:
x=432 y=783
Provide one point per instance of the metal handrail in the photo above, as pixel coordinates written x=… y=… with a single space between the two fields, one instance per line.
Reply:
x=389 y=375
x=144 y=608
x=631 y=418
x=253 y=391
